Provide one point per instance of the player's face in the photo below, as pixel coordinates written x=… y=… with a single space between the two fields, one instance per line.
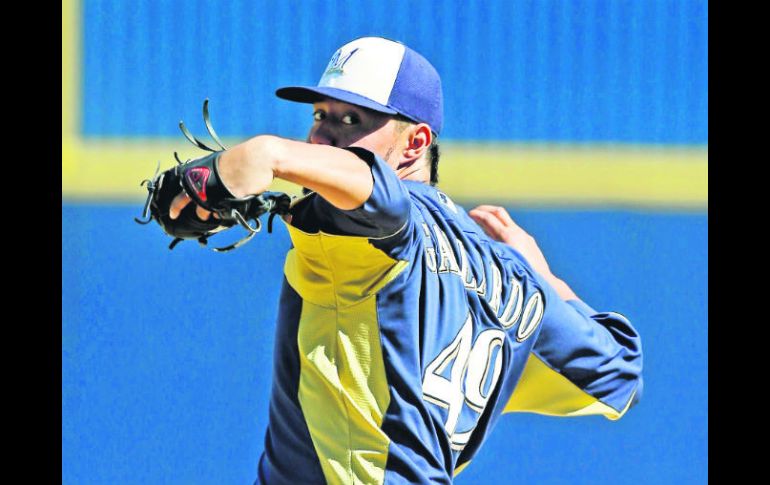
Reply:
x=342 y=125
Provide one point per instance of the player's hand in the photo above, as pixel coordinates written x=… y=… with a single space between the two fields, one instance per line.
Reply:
x=181 y=201
x=498 y=225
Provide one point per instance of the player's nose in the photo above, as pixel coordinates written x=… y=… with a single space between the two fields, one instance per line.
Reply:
x=321 y=135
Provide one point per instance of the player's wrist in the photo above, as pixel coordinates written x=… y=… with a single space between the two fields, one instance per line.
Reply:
x=249 y=168
x=562 y=288
x=202 y=181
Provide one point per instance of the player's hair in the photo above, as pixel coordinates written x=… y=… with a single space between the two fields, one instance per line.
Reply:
x=434 y=156
x=433 y=150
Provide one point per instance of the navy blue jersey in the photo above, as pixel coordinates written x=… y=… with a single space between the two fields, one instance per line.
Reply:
x=404 y=333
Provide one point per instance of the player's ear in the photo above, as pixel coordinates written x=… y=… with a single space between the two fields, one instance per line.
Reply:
x=418 y=141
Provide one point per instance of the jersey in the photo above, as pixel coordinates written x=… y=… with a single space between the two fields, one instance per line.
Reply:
x=404 y=333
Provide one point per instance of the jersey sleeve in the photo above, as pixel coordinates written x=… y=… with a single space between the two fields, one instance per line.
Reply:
x=383 y=214
x=583 y=362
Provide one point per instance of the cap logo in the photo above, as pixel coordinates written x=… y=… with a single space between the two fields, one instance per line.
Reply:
x=338 y=61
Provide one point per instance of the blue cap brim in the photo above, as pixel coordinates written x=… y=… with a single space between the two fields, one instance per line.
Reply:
x=312 y=94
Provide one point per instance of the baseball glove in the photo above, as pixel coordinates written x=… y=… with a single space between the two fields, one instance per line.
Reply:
x=199 y=179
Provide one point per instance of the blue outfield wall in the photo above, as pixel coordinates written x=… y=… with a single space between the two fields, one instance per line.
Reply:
x=166 y=355
x=522 y=70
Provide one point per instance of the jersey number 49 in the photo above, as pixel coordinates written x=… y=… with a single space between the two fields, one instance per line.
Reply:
x=469 y=380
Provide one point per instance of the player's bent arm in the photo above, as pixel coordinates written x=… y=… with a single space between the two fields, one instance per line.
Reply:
x=562 y=289
x=337 y=175
x=584 y=362
x=498 y=225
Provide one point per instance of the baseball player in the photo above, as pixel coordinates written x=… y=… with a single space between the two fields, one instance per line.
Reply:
x=407 y=326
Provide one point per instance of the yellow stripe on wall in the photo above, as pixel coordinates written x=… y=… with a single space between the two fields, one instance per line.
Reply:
x=587 y=175
x=532 y=174
x=676 y=177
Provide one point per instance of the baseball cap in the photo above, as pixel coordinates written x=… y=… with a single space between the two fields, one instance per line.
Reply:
x=382 y=75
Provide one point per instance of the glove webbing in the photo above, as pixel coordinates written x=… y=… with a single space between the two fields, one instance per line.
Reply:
x=279 y=203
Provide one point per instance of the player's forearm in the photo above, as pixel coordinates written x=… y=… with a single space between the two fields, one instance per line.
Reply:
x=339 y=176
x=562 y=289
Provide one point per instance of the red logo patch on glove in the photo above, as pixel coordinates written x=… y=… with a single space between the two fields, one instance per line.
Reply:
x=197 y=178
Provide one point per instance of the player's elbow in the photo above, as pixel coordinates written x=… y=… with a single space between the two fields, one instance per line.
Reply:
x=395 y=214
x=626 y=391
x=387 y=209
x=632 y=369
x=626 y=366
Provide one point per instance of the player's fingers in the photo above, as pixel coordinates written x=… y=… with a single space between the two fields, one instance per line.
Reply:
x=489 y=222
x=490 y=208
x=179 y=203
x=485 y=208
x=500 y=213
x=202 y=213
x=504 y=216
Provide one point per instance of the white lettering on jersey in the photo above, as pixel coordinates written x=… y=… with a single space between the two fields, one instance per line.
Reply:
x=511 y=313
x=533 y=315
x=430 y=252
x=445 y=261
x=481 y=290
x=475 y=370
x=448 y=261
x=465 y=267
x=497 y=289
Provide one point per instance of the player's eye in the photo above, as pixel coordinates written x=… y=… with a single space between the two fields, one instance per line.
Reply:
x=350 y=119
x=319 y=115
